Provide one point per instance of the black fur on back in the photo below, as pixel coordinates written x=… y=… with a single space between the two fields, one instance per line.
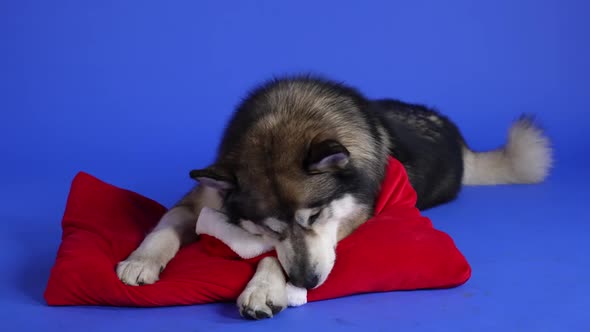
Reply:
x=429 y=146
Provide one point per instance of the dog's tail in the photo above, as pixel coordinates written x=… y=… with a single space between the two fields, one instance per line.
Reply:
x=525 y=159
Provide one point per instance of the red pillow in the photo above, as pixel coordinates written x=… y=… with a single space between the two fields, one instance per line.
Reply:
x=398 y=249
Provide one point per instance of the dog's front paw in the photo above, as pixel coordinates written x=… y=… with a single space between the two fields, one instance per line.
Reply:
x=139 y=271
x=262 y=300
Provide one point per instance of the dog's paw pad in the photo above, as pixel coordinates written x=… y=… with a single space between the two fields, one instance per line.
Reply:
x=262 y=315
x=275 y=309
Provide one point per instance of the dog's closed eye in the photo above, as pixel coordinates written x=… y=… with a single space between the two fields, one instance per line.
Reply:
x=313 y=217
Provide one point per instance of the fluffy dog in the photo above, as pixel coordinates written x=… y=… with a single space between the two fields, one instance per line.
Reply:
x=300 y=164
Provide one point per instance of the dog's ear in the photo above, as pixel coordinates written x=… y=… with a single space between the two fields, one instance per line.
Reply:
x=326 y=156
x=215 y=177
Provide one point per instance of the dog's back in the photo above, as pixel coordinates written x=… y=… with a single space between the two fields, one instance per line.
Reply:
x=439 y=161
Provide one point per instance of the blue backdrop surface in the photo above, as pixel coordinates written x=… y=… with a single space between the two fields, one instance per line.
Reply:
x=137 y=93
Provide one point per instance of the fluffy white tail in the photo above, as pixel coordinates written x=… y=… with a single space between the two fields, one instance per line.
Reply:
x=526 y=158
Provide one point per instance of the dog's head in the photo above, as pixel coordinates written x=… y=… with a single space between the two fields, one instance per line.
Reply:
x=294 y=168
x=303 y=211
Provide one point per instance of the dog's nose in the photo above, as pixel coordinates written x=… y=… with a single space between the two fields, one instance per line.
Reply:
x=308 y=280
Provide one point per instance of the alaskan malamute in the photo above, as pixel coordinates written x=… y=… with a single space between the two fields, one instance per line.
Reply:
x=301 y=163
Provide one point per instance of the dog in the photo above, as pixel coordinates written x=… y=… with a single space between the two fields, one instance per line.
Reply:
x=300 y=164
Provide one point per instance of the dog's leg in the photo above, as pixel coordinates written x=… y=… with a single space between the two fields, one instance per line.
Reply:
x=176 y=228
x=266 y=293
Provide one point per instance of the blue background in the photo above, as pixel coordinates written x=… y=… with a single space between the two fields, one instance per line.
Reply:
x=137 y=93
